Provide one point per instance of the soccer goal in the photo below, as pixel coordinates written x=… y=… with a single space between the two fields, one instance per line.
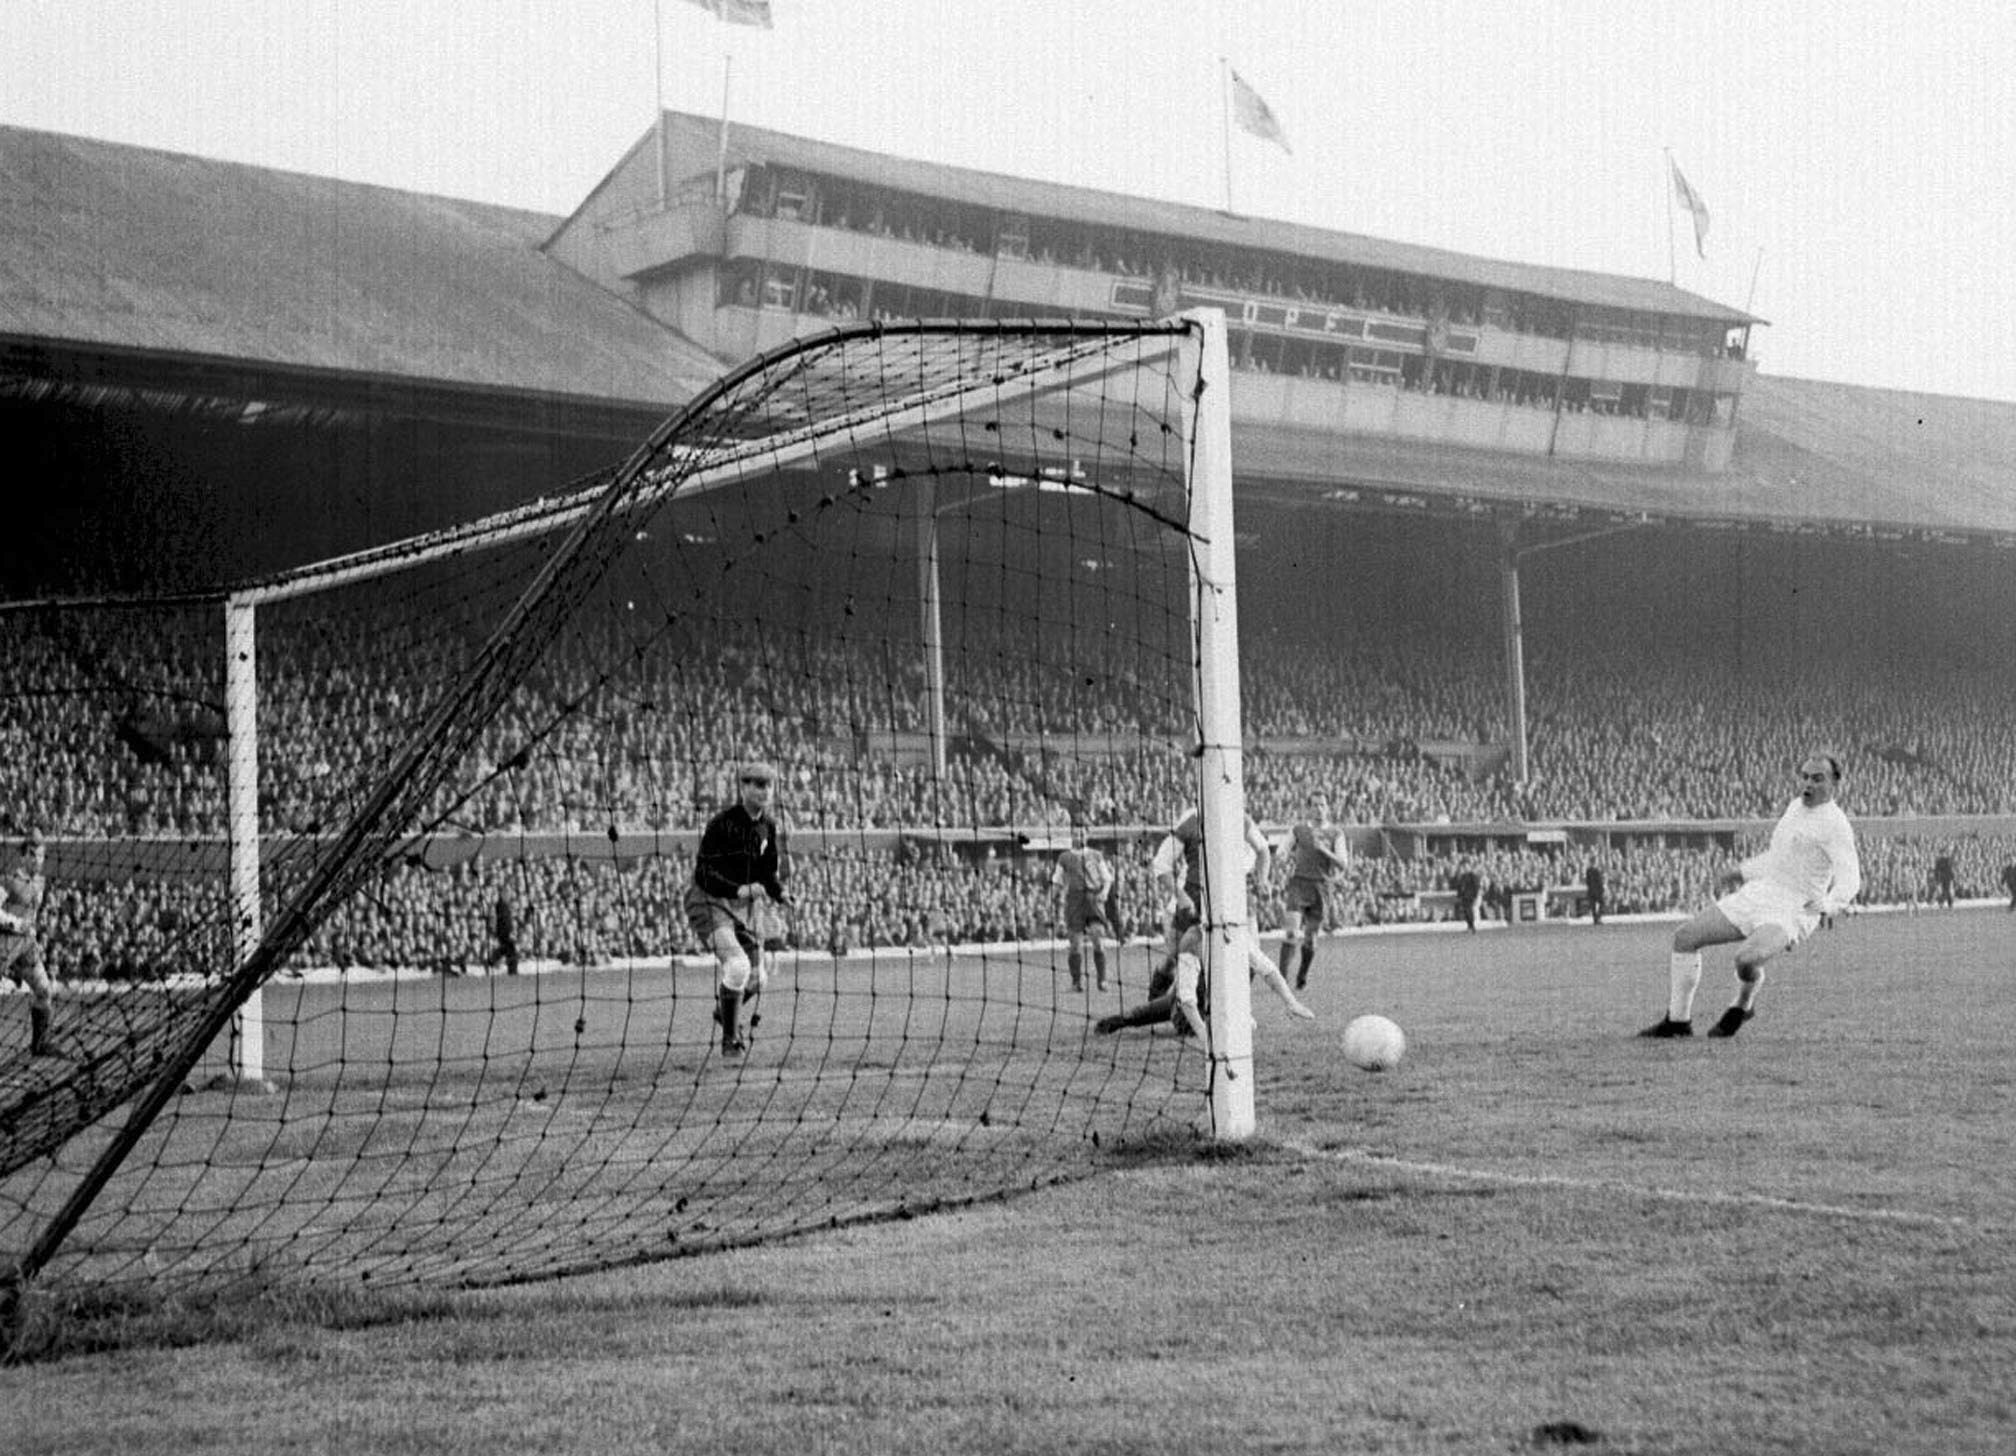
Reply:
x=365 y=882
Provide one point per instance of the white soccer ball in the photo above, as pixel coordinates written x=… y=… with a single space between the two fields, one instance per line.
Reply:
x=1374 y=1044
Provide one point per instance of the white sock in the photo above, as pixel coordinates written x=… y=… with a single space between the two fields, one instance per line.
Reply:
x=1683 y=978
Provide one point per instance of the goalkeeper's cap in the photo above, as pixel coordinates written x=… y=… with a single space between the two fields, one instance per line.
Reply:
x=756 y=770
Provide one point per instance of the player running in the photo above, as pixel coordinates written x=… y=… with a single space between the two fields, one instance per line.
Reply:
x=1316 y=851
x=737 y=871
x=1809 y=874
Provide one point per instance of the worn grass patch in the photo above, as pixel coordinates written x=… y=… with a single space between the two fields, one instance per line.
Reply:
x=1539 y=1234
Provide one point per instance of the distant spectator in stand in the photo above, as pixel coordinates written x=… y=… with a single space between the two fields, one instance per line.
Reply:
x=1942 y=879
x=1469 y=890
x=2009 y=884
x=504 y=927
x=1595 y=891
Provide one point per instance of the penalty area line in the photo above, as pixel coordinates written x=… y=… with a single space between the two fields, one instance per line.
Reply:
x=1704 y=1197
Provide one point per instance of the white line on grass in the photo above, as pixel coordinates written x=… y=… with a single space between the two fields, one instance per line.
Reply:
x=1636 y=1190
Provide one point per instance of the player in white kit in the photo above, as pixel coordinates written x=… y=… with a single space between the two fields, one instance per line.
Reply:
x=1810 y=873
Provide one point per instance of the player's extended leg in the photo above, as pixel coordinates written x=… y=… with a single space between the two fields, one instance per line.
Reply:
x=1291 y=945
x=1683 y=974
x=1189 y=985
x=1074 y=959
x=28 y=971
x=1312 y=923
x=1152 y=1012
x=1158 y=1008
x=1264 y=969
x=1765 y=942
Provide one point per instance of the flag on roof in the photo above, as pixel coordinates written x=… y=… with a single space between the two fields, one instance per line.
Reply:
x=738 y=12
x=1691 y=200
x=1255 y=115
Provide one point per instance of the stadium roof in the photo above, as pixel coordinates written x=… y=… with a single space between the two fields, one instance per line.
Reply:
x=127 y=249
x=164 y=257
x=690 y=135
x=1808 y=456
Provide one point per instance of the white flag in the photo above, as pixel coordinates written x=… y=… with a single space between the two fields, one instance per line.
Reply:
x=1255 y=115
x=1691 y=200
x=738 y=12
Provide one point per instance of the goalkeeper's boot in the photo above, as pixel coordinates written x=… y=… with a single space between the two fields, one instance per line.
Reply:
x=754 y=1018
x=728 y=1015
x=1730 y=1022
x=1666 y=1027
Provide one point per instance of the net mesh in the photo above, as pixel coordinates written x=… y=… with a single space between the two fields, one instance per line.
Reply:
x=936 y=574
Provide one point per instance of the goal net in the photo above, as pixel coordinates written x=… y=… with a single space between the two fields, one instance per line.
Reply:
x=365 y=910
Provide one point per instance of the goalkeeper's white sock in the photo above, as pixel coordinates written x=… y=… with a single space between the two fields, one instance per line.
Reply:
x=1683 y=979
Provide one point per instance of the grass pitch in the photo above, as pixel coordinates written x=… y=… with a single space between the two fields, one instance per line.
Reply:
x=1538 y=1233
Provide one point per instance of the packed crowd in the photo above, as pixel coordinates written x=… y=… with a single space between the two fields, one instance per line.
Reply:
x=1614 y=735
x=923 y=895
x=114 y=732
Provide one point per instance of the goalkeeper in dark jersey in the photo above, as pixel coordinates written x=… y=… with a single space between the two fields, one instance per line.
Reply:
x=737 y=873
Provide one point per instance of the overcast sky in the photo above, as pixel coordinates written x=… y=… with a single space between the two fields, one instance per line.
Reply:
x=1854 y=156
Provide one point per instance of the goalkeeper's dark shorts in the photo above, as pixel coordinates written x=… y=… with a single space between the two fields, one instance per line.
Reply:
x=707 y=914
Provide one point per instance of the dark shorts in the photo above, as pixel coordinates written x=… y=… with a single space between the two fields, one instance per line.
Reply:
x=1304 y=899
x=707 y=915
x=1085 y=914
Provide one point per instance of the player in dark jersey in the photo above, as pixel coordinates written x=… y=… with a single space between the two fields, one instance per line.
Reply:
x=1316 y=851
x=736 y=873
x=1086 y=877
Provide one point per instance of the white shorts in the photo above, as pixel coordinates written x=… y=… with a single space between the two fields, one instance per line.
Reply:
x=1761 y=903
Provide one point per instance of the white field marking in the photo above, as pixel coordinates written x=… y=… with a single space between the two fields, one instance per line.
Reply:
x=1709 y=1197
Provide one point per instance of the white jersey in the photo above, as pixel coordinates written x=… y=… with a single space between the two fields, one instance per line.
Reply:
x=1812 y=855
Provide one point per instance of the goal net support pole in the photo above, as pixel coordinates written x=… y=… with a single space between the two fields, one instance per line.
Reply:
x=1221 y=784
x=241 y=797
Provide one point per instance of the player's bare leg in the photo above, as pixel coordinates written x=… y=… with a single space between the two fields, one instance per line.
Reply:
x=1264 y=969
x=735 y=973
x=1683 y=976
x=1765 y=943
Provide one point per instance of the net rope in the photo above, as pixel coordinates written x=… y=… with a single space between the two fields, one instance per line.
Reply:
x=484 y=760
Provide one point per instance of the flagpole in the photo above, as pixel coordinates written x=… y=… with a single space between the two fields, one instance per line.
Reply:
x=721 y=156
x=1672 y=268
x=1755 y=267
x=1225 y=116
x=658 y=90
